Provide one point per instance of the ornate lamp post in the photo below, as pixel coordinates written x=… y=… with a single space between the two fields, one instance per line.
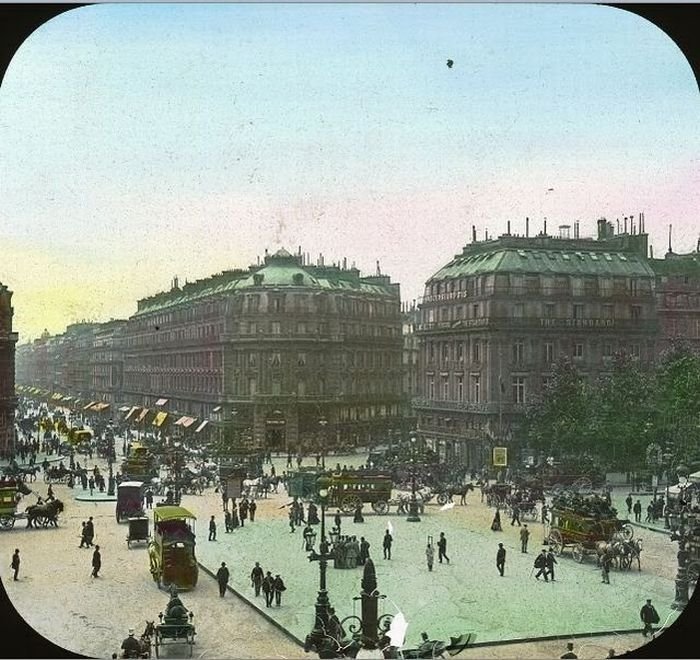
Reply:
x=323 y=422
x=682 y=535
x=413 y=506
x=317 y=640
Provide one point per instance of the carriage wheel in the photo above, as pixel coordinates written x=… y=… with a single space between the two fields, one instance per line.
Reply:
x=350 y=503
x=442 y=498
x=579 y=553
x=47 y=479
x=7 y=522
x=556 y=541
x=381 y=507
x=40 y=520
x=627 y=532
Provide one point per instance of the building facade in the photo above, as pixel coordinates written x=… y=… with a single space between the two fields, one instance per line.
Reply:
x=499 y=314
x=107 y=362
x=286 y=354
x=678 y=299
x=8 y=398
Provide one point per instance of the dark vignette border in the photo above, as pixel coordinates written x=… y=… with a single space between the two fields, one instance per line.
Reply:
x=18 y=21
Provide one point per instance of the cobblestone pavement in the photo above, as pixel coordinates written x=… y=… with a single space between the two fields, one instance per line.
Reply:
x=57 y=596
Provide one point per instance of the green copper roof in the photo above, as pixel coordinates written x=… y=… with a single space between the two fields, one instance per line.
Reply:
x=546 y=262
x=681 y=264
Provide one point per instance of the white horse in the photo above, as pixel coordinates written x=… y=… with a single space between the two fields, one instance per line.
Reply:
x=251 y=487
x=403 y=499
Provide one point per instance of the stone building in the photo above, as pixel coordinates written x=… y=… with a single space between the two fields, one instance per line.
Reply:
x=8 y=399
x=678 y=298
x=498 y=315
x=410 y=319
x=285 y=354
x=106 y=364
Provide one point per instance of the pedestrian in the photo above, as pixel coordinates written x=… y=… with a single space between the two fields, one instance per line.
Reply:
x=228 y=522
x=338 y=521
x=289 y=460
x=637 y=511
x=83 y=538
x=91 y=484
x=569 y=652
x=364 y=550
x=430 y=555
x=96 y=561
x=496 y=524
x=49 y=494
x=252 y=508
x=386 y=544
x=442 y=548
x=149 y=499
x=501 y=558
x=224 y=498
x=544 y=512
x=650 y=513
x=222 y=576
x=234 y=518
x=358 y=518
x=292 y=519
x=628 y=502
x=541 y=563
x=243 y=511
x=277 y=588
x=515 y=518
x=605 y=563
x=15 y=563
x=89 y=531
x=256 y=578
x=309 y=537
x=649 y=616
x=550 y=560
x=267 y=584
x=212 y=529
x=524 y=538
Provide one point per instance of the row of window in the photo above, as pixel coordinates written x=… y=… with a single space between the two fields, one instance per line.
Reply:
x=249 y=386
x=194 y=383
x=446 y=352
x=299 y=303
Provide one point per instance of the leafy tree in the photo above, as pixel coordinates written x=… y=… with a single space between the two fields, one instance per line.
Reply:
x=557 y=422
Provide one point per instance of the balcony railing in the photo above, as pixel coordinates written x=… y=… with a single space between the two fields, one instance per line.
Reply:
x=541 y=323
x=492 y=407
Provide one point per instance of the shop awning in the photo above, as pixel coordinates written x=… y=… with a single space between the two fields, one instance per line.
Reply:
x=67 y=398
x=131 y=413
x=189 y=421
x=179 y=420
x=142 y=416
x=56 y=396
x=217 y=409
x=124 y=408
x=201 y=426
x=100 y=406
x=159 y=419
x=161 y=402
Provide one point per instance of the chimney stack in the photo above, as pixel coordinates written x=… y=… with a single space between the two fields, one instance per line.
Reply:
x=473 y=233
x=345 y=263
x=625 y=224
x=527 y=227
x=670 y=229
x=508 y=228
x=544 y=231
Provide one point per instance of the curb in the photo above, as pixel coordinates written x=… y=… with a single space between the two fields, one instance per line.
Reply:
x=261 y=612
x=650 y=528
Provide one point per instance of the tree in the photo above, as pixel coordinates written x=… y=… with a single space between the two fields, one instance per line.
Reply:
x=556 y=422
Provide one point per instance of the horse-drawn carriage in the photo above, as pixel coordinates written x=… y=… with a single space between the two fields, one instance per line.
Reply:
x=497 y=494
x=175 y=625
x=57 y=474
x=302 y=484
x=348 y=490
x=129 y=500
x=171 y=550
x=10 y=494
x=590 y=534
x=138 y=531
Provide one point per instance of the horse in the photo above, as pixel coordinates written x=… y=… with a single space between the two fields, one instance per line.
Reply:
x=629 y=551
x=29 y=472
x=250 y=486
x=144 y=643
x=44 y=513
x=403 y=499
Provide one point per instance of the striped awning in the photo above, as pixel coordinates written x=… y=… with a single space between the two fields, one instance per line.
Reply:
x=189 y=421
x=124 y=408
x=201 y=426
x=100 y=406
x=217 y=409
x=161 y=402
x=160 y=419
x=142 y=416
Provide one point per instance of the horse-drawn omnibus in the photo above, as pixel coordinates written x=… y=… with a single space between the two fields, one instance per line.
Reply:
x=140 y=464
x=302 y=484
x=129 y=500
x=9 y=497
x=582 y=533
x=347 y=490
x=171 y=551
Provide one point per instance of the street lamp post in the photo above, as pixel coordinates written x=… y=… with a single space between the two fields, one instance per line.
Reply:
x=317 y=639
x=413 y=506
x=324 y=439
x=681 y=535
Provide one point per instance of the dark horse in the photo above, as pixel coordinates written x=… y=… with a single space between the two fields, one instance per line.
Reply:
x=44 y=514
x=462 y=491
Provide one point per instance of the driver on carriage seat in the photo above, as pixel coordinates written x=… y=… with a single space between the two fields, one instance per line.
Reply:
x=131 y=646
x=175 y=612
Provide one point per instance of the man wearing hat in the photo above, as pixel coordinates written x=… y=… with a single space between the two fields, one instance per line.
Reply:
x=131 y=646
x=501 y=558
x=649 y=616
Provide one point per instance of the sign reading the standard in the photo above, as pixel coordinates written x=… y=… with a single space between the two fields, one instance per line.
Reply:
x=500 y=456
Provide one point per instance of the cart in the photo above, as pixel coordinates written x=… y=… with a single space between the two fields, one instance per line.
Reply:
x=129 y=500
x=175 y=625
x=172 y=549
x=9 y=496
x=138 y=531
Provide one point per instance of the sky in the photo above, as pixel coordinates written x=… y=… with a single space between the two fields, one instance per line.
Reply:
x=143 y=142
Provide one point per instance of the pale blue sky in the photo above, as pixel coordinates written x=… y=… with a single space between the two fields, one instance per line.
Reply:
x=138 y=142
